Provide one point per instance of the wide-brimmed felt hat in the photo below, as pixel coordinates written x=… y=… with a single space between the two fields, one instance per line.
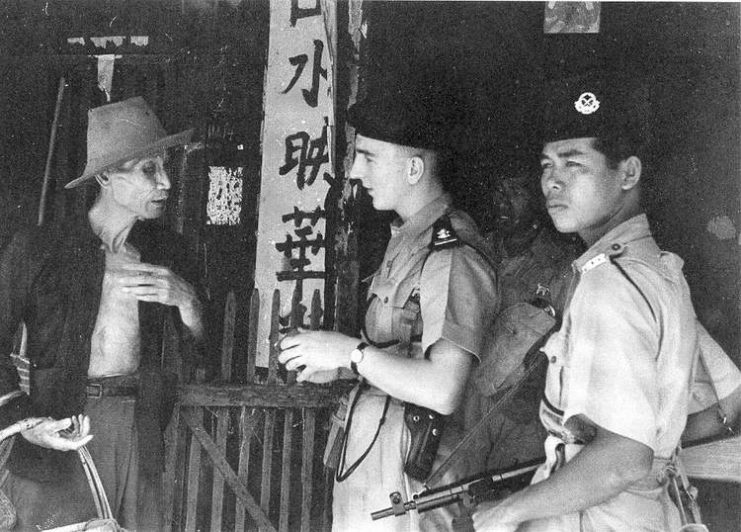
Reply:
x=597 y=103
x=122 y=131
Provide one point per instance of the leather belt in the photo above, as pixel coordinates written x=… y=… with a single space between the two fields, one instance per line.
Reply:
x=122 y=386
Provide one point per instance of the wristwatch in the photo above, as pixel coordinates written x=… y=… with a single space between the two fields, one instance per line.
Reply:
x=356 y=357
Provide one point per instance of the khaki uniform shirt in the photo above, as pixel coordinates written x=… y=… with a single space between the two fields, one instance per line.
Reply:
x=458 y=299
x=624 y=358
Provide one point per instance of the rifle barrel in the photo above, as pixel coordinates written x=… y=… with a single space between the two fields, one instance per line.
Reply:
x=473 y=486
x=388 y=512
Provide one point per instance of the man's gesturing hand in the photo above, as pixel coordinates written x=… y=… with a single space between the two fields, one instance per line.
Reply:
x=158 y=284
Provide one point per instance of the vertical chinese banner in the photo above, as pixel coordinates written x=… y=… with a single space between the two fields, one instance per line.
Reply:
x=296 y=163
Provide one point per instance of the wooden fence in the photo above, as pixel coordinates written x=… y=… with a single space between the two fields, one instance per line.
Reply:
x=248 y=456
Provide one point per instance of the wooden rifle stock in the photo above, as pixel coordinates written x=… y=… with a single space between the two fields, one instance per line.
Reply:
x=470 y=491
x=716 y=459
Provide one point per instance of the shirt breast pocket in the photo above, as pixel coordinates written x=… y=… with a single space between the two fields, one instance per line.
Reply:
x=556 y=380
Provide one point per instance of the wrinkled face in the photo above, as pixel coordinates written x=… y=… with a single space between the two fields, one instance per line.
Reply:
x=582 y=193
x=141 y=186
x=381 y=166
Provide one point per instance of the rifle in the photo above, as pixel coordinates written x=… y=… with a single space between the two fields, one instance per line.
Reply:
x=488 y=485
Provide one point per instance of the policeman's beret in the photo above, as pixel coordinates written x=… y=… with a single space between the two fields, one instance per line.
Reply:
x=595 y=104
x=409 y=117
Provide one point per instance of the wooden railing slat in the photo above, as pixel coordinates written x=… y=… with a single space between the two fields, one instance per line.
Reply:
x=220 y=462
x=316 y=311
x=274 y=336
x=227 y=342
x=267 y=460
x=285 y=474
x=252 y=335
x=295 y=322
x=217 y=492
x=247 y=423
x=327 y=496
x=307 y=466
x=194 y=472
x=259 y=395
x=173 y=474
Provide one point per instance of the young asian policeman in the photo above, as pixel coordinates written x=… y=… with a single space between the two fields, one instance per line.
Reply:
x=620 y=367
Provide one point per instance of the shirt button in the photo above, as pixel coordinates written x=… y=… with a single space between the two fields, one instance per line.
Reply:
x=616 y=247
x=553 y=359
x=386 y=299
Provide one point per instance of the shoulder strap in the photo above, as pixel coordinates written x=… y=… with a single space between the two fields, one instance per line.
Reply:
x=444 y=236
x=614 y=261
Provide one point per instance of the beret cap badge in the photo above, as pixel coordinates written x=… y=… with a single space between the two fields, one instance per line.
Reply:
x=587 y=103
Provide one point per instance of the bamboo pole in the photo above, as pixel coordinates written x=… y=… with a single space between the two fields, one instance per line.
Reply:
x=50 y=153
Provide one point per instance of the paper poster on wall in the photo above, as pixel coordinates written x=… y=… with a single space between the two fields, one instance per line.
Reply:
x=572 y=17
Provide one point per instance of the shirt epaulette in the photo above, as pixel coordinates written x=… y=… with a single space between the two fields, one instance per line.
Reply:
x=443 y=234
x=614 y=252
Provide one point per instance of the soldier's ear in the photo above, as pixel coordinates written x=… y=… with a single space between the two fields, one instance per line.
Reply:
x=415 y=169
x=631 y=172
x=103 y=179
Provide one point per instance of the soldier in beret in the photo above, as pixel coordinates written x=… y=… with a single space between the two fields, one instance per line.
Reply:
x=429 y=305
x=618 y=381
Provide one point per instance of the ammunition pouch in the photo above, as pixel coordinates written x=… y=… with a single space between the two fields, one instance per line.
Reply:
x=425 y=428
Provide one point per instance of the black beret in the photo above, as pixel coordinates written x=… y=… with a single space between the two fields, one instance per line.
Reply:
x=595 y=104
x=409 y=117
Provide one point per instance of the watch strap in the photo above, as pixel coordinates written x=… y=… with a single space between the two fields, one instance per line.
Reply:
x=353 y=364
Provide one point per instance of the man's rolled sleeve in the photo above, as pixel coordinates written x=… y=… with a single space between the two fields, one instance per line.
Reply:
x=716 y=376
x=458 y=298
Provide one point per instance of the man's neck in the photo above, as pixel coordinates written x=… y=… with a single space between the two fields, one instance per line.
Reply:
x=629 y=211
x=111 y=225
x=418 y=199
